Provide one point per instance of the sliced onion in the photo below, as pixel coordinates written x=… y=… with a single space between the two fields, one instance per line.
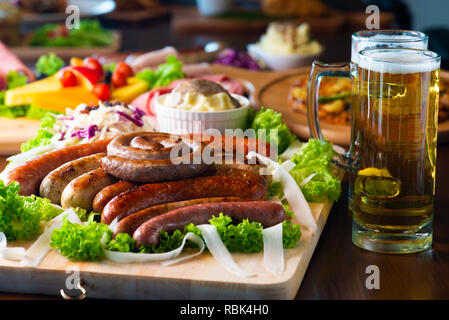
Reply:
x=37 y=252
x=130 y=257
x=291 y=150
x=219 y=250
x=273 y=250
x=288 y=165
x=32 y=153
x=292 y=193
x=338 y=149
x=113 y=225
x=306 y=180
x=11 y=253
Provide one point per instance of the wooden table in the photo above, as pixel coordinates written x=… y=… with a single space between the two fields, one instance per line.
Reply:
x=337 y=268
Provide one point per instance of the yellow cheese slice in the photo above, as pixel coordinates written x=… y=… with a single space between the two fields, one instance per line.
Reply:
x=131 y=91
x=69 y=97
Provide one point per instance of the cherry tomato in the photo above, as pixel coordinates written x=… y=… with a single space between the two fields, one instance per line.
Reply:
x=124 y=69
x=102 y=91
x=68 y=78
x=118 y=79
x=93 y=64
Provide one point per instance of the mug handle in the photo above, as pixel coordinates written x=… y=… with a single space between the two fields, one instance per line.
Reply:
x=319 y=70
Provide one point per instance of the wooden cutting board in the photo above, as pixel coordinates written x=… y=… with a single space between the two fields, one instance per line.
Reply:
x=13 y=132
x=199 y=278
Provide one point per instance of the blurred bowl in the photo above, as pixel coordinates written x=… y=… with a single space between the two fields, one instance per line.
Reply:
x=281 y=62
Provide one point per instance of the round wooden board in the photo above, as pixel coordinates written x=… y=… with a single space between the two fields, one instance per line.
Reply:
x=274 y=94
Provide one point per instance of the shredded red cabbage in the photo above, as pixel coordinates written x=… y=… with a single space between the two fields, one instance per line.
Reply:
x=89 y=133
x=237 y=58
x=137 y=120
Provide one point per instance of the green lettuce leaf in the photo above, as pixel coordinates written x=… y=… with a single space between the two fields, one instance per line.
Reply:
x=16 y=79
x=80 y=242
x=271 y=122
x=89 y=34
x=44 y=134
x=20 y=216
x=243 y=237
x=49 y=64
x=165 y=74
x=122 y=243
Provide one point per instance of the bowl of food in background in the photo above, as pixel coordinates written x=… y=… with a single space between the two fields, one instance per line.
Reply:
x=286 y=46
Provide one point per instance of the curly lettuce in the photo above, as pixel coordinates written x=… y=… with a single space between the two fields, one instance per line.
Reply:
x=314 y=153
x=44 y=134
x=165 y=74
x=80 y=242
x=323 y=184
x=16 y=79
x=271 y=121
x=48 y=65
x=314 y=158
x=245 y=237
x=20 y=216
x=89 y=34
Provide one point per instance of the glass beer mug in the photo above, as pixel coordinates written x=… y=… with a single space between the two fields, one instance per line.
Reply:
x=360 y=40
x=393 y=145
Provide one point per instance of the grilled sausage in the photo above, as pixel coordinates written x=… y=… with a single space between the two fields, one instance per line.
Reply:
x=81 y=191
x=109 y=192
x=265 y=212
x=132 y=222
x=240 y=183
x=153 y=157
x=55 y=182
x=30 y=174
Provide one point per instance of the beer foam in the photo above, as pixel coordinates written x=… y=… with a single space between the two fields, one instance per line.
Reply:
x=398 y=61
x=384 y=40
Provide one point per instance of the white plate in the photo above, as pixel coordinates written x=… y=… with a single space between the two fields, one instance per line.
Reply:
x=281 y=62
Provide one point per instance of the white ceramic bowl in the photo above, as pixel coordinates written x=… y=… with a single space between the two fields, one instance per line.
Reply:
x=281 y=62
x=180 y=121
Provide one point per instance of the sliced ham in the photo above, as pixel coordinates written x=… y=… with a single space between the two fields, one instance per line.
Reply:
x=152 y=59
x=192 y=70
x=10 y=62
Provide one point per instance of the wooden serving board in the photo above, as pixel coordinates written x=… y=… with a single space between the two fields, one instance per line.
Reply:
x=199 y=278
x=13 y=132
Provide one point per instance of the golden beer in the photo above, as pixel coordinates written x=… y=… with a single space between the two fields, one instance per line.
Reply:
x=394 y=136
x=377 y=39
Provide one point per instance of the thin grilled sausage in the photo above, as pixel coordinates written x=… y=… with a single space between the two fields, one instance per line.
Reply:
x=30 y=174
x=55 y=182
x=109 y=192
x=132 y=222
x=266 y=212
x=81 y=191
x=250 y=186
